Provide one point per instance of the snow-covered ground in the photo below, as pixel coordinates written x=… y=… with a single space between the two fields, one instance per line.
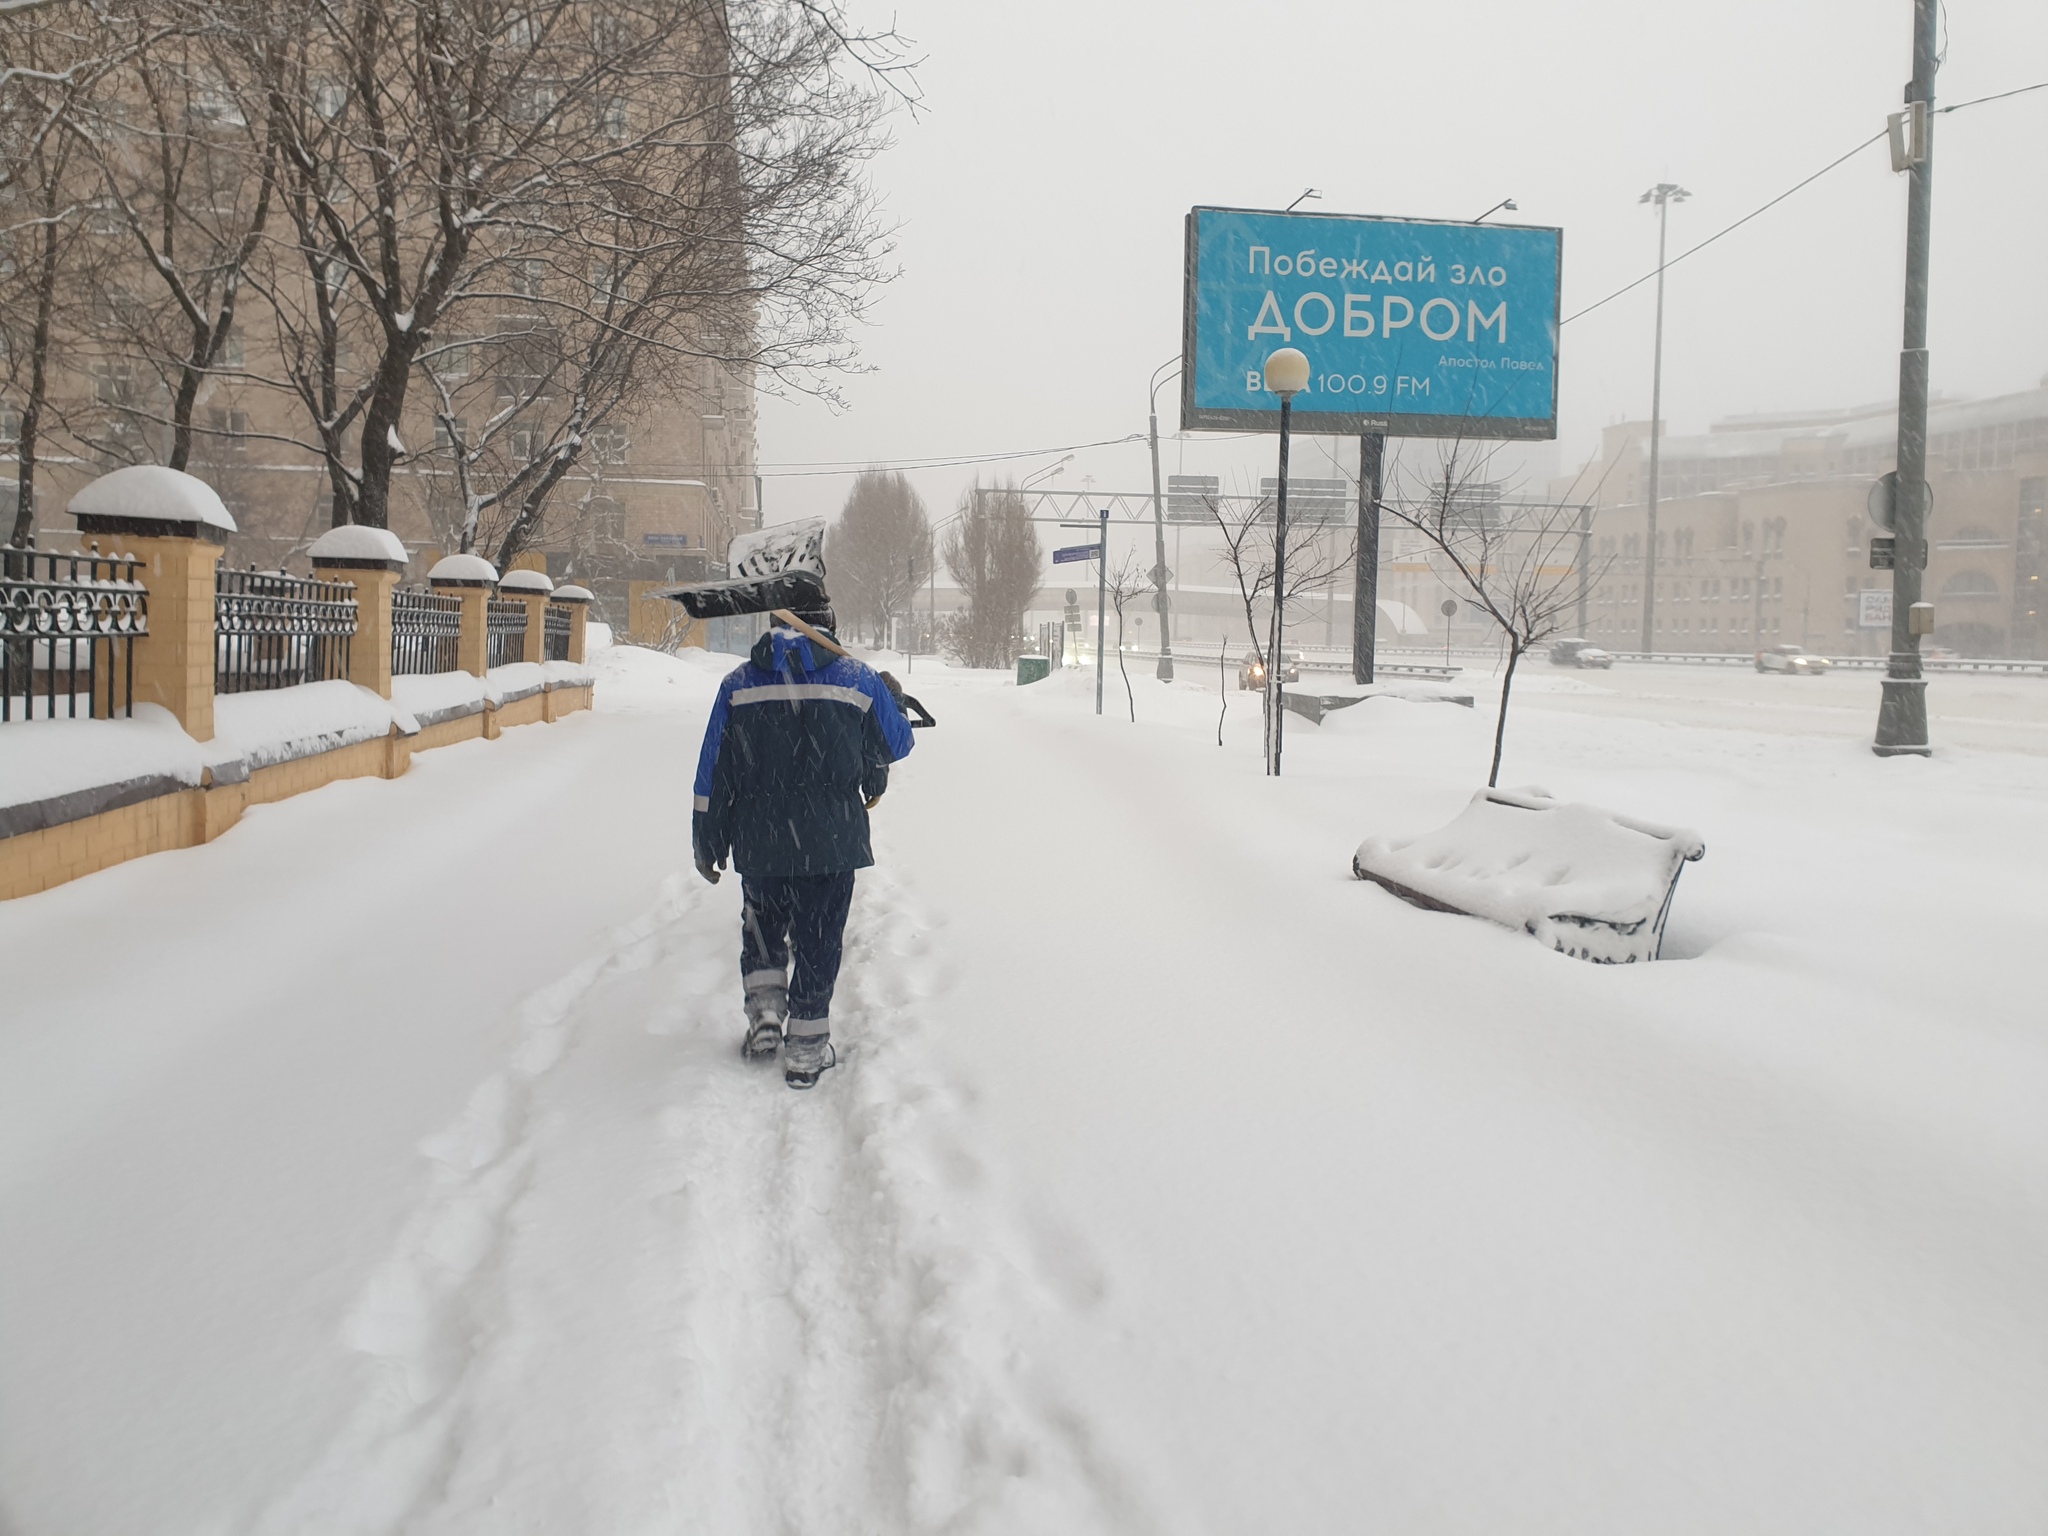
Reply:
x=388 y=1164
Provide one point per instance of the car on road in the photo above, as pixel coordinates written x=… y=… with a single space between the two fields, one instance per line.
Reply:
x=1579 y=653
x=1251 y=672
x=1791 y=658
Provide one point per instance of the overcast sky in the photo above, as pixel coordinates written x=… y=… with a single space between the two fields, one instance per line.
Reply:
x=1039 y=194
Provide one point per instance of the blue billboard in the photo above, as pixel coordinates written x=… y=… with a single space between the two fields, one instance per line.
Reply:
x=1412 y=327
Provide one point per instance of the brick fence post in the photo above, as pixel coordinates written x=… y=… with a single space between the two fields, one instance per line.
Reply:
x=175 y=525
x=473 y=579
x=578 y=601
x=372 y=558
x=532 y=588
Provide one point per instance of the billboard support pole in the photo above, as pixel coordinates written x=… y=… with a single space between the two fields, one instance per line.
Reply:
x=1365 y=586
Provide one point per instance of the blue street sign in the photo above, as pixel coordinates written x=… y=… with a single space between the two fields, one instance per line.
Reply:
x=1412 y=327
x=1074 y=552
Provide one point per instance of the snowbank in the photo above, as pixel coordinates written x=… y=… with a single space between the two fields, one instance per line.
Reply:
x=438 y=696
x=54 y=771
x=567 y=674
x=1582 y=880
x=515 y=681
x=256 y=730
x=596 y=636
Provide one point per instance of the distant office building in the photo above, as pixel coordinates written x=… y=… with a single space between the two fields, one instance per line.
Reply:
x=1763 y=535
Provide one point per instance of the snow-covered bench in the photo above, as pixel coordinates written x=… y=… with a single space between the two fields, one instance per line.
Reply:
x=1586 y=882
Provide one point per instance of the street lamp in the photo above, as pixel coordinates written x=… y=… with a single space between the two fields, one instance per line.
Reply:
x=1048 y=471
x=1664 y=194
x=1286 y=376
x=1159 y=571
x=1506 y=203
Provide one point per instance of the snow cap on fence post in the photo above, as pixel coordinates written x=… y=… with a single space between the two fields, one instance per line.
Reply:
x=471 y=578
x=176 y=527
x=373 y=559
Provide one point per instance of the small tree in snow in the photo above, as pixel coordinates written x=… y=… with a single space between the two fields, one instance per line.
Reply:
x=1516 y=563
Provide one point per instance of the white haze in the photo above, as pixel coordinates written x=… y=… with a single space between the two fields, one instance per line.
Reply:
x=1040 y=194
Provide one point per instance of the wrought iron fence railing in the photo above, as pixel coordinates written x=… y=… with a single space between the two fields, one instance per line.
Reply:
x=276 y=631
x=506 y=626
x=555 y=633
x=68 y=626
x=426 y=632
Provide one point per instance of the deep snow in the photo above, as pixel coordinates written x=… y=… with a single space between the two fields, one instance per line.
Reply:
x=388 y=1164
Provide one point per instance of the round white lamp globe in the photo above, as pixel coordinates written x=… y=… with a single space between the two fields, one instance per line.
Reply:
x=1287 y=372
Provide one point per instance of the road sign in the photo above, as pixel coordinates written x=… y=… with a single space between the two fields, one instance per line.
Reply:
x=1074 y=552
x=1874 y=609
x=1882 y=501
x=1412 y=327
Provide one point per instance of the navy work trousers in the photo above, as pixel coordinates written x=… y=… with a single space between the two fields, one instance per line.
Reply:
x=800 y=917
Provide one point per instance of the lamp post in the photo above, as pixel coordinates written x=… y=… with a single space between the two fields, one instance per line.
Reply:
x=1286 y=376
x=1159 y=571
x=1664 y=194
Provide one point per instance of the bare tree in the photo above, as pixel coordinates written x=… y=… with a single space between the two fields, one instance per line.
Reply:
x=1517 y=563
x=879 y=550
x=184 y=166
x=572 y=196
x=1311 y=564
x=47 y=65
x=994 y=556
x=1123 y=584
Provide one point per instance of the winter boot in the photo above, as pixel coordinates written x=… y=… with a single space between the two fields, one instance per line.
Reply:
x=806 y=1058
x=767 y=1007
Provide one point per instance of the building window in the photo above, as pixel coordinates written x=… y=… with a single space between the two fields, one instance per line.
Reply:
x=229 y=430
x=612 y=122
x=609 y=445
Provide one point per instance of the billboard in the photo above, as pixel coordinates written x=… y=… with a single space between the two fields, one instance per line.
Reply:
x=1412 y=327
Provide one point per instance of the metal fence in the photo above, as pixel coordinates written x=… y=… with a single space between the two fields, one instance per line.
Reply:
x=556 y=633
x=276 y=631
x=506 y=627
x=426 y=632
x=68 y=626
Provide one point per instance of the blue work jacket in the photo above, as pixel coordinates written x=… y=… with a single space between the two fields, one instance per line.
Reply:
x=798 y=742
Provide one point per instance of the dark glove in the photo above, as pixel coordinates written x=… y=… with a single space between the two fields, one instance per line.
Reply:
x=707 y=869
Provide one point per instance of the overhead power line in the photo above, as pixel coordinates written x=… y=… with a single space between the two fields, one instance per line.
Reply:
x=1798 y=186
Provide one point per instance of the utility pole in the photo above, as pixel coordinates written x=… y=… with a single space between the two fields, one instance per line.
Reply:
x=1902 y=712
x=1160 y=601
x=1365 y=577
x=1101 y=604
x=1664 y=194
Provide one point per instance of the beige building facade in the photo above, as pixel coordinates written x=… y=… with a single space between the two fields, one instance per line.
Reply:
x=1763 y=536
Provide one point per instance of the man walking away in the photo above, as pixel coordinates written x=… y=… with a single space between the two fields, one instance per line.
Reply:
x=797 y=748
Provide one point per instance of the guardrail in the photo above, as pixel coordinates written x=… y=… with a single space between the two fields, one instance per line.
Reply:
x=2013 y=666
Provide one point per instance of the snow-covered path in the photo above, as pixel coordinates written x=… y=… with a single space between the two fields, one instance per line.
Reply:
x=1174 y=1181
